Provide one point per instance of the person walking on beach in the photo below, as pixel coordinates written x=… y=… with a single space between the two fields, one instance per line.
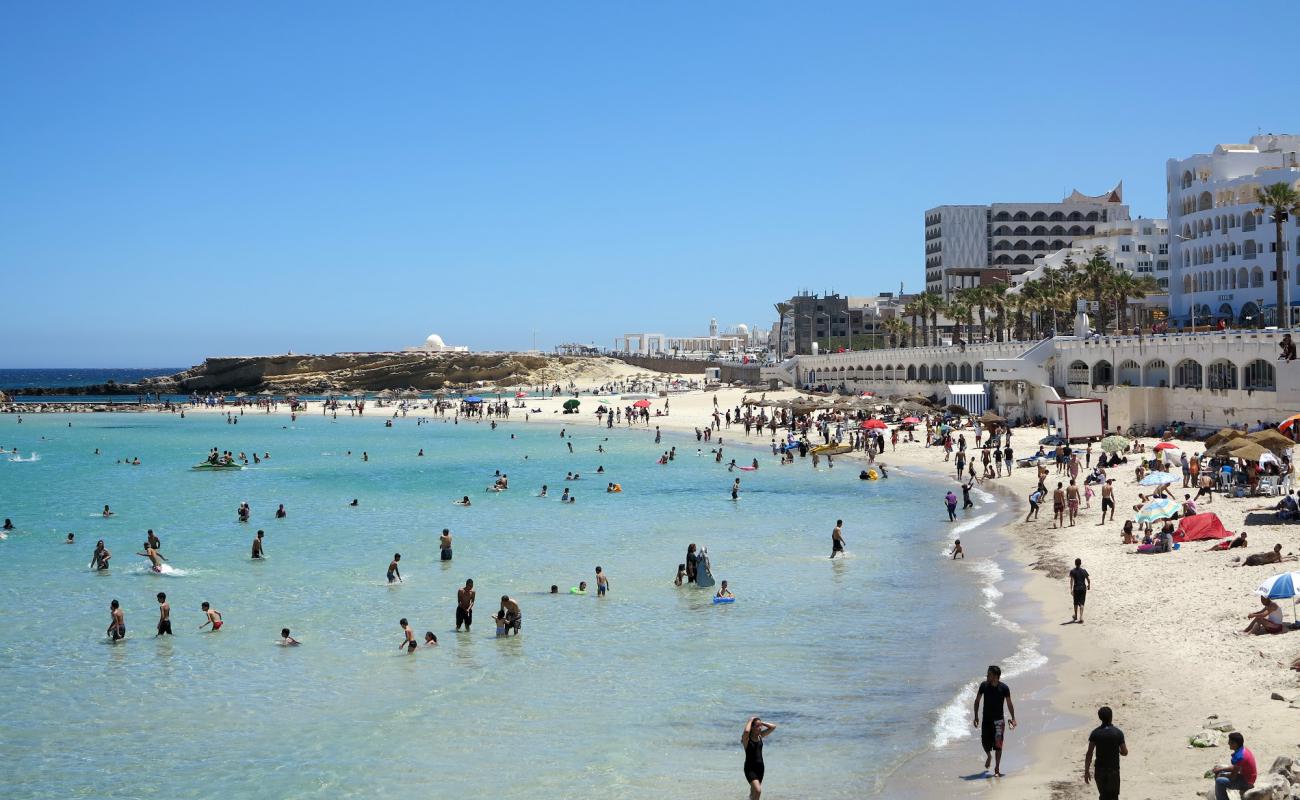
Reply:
x=1058 y=506
x=164 y=616
x=994 y=693
x=1107 y=742
x=751 y=738
x=1080 y=585
x=465 y=606
x=837 y=538
x=950 y=500
x=1072 y=500
x=1107 y=500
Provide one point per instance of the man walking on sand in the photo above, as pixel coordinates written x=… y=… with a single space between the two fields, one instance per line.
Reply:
x=994 y=693
x=1107 y=742
x=1080 y=584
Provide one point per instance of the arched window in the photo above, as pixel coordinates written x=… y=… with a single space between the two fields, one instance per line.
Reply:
x=1103 y=374
x=1250 y=316
x=979 y=371
x=1130 y=374
x=1259 y=375
x=1056 y=216
x=1023 y=258
x=1020 y=215
x=1187 y=374
x=911 y=372
x=964 y=373
x=1256 y=278
x=922 y=373
x=1204 y=202
x=1222 y=374
x=1077 y=374
x=900 y=373
x=1156 y=373
x=1038 y=216
x=1187 y=284
x=1022 y=230
x=936 y=373
x=1039 y=230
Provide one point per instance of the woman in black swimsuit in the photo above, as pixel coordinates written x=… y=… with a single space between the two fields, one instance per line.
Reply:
x=752 y=740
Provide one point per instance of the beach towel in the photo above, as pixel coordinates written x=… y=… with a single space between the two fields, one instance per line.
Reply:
x=1201 y=526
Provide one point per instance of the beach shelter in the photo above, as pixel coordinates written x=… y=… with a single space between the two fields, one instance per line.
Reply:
x=911 y=420
x=1114 y=444
x=1225 y=434
x=970 y=396
x=1158 y=509
x=642 y=403
x=1199 y=527
x=1250 y=451
x=1280 y=587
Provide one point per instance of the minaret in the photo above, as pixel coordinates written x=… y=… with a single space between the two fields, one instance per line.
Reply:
x=713 y=328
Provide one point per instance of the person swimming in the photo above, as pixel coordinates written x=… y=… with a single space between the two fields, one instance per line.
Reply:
x=723 y=591
x=286 y=640
x=464 y=501
x=430 y=640
x=107 y=512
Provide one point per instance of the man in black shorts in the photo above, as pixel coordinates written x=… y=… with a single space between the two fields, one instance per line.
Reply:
x=1080 y=583
x=1107 y=742
x=164 y=616
x=994 y=693
x=465 y=605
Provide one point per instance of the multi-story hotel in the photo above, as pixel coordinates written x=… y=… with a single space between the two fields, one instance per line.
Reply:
x=1223 y=245
x=1140 y=246
x=969 y=245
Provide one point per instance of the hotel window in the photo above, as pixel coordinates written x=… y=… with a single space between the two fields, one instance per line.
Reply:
x=1123 y=248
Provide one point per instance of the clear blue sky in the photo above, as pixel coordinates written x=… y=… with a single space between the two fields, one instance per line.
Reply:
x=180 y=180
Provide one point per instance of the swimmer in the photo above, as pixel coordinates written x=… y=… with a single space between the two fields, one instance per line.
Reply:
x=837 y=538
x=155 y=558
x=957 y=552
x=421 y=453
x=9 y=524
x=542 y=493
x=464 y=501
x=258 y=551
x=723 y=591
x=444 y=544
x=555 y=589
x=117 y=622
x=354 y=502
x=430 y=640
x=286 y=640
x=602 y=583
x=213 y=617
x=164 y=616
x=280 y=513
x=393 y=572
x=503 y=629
x=99 y=560
x=465 y=605
x=71 y=539
x=408 y=636
x=564 y=498
x=681 y=575
x=601 y=469
x=106 y=512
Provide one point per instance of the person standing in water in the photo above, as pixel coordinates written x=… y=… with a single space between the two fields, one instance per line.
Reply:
x=465 y=605
x=514 y=617
x=164 y=616
x=117 y=622
x=602 y=582
x=735 y=489
x=751 y=738
x=213 y=617
x=155 y=558
x=408 y=637
x=994 y=693
x=837 y=538
x=258 y=552
x=394 y=574
x=99 y=560
x=444 y=544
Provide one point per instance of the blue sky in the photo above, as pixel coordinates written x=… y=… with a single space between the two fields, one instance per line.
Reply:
x=183 y=180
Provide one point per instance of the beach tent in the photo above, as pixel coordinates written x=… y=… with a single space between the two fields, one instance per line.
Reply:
x=572 y=403
x=1200 y=526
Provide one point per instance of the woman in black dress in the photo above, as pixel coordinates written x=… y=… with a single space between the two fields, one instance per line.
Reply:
x=752 y=740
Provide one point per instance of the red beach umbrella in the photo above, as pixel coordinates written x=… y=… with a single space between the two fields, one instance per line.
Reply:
x=642 y=403
x=1167 y=446
x=521 y=394
x=873 y=424
x=911 y=420
x=1288 y=422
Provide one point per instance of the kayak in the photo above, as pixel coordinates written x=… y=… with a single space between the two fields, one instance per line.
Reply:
x=207 y=466
x=832 y=450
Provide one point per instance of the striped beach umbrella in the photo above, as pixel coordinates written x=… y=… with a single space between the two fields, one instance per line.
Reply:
x=1280 y=587
x=1158 y=509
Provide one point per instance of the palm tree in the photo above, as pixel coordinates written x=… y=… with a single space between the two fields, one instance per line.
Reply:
x=1124 y=286
x=997 y=298
x=897 y=328
x=781 y=310
x=937 y=305
x=959 y=310
x=1280 y=201
x=912 y=309
x=1097 y=272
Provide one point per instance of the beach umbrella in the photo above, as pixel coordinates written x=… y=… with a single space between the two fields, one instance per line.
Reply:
x=643 y=403
x=874 y=424
x=920 y=400
x=1280 y=587
x=1114 y=444
x=521 y=394
x=1288 y=422
x=572 y=403
x=1225 y=434
x=1250 y=451
x=953 y=408
x=1158 y=509
x=1159 y=479
x=266 y=393
x=988 y=417
x=1167 y=446
x=911 y=420
x=1272 y=440
x=473 y=399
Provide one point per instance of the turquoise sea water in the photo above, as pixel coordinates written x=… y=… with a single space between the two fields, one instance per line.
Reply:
x=639 y=694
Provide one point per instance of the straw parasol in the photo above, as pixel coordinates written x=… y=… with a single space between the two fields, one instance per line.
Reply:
x=1250 y=451
x=989 y=418
x=1224 y=435
x=1272 y=440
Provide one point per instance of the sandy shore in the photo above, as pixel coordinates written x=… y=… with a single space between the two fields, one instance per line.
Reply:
x=1160 y=644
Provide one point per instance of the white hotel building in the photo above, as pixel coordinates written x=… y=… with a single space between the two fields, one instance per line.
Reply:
x=1139 y=246
x=1222 y=246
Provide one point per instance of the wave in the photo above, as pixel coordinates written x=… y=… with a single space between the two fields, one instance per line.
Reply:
x=19 y=459
x=971 y=524
x=953 y=721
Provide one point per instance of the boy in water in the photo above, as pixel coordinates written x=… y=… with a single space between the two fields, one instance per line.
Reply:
x=430 y=640
x=117 y=622
x=723 y=591
x=394 y=574
x=258 y=552
x=214 y=618
x=837 y=538
x=602 y=583
x=164 y=616
x=465 y=605
x=155 y=558
x=287 y=640
x=957 y=552
x=408 y=636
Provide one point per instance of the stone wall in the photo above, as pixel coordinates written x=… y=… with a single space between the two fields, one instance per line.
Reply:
x=684 y=366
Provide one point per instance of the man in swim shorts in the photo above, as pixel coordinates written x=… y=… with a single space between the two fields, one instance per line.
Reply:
x=514 y=617
x=155 y=558
x=465 y=605
x=994 y=694
x=214 y=618
x=408 y=636
x=117 y=622
x=837 y=538
x=258 y=552
x=394 y=574
x=444 y=544
x=602 y=583
x=164 y=616
x=1080 y=583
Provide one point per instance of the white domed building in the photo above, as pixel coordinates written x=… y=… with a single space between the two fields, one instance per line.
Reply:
x=433 y=343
